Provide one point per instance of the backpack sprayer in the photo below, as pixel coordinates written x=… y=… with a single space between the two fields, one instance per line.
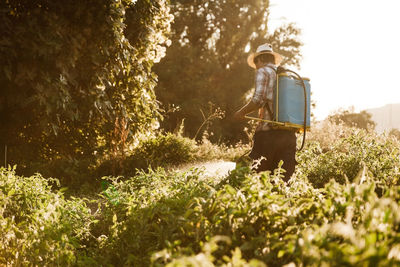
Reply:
x=291 y=103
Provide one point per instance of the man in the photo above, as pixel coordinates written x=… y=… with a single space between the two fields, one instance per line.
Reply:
x=273 y=144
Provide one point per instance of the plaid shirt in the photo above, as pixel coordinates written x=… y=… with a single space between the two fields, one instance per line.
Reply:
x=265 y=81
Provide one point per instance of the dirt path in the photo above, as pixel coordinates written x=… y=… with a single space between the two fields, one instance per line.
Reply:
x=213 y=168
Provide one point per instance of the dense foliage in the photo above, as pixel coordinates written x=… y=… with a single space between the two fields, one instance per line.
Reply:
x=207 y=61
x=362 y=120
x=77 y=85
x=157 y=151
x=340 y=208
x=38 y=226
x=348 y=156
x=76 y=76
x=339 y=152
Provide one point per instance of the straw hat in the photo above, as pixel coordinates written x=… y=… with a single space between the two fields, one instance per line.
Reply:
x=263 y=49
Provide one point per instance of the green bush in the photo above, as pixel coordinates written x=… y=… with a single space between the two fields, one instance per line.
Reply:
x=161 y=151
x=165 y=150
x=168 y=218
x=347 y=156
x=262 y=218
x=147 y=215
x=161 y=218
x=359 y=227
x=168 y=150
x=330 y=214
x=38 y=226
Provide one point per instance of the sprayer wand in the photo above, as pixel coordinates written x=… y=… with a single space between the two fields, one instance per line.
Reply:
x=269 y=121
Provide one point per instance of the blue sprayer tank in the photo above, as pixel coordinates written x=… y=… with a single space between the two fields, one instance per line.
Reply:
x=289 y=101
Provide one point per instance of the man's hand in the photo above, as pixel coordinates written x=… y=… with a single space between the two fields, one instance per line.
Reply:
x=249 y=107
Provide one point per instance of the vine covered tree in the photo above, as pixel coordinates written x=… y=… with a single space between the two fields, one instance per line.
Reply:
x=77 y=74
x=207 y=60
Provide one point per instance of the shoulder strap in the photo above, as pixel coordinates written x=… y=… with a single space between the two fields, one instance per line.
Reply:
x=269 y=110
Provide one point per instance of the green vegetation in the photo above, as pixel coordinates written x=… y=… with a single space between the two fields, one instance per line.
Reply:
x=78 y=103
x=361 y=120
x=76 y=78
x=379 y=154
x=167 y=150
x=38 y=225
x=341 y=208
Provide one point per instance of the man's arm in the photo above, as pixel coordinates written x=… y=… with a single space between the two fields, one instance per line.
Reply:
x=249 y=107
x=257 y=100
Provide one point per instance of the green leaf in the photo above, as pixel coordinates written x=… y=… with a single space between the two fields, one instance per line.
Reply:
x=11 y=192
x=230 y=190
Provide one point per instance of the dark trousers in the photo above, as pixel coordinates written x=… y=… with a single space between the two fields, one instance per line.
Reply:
x=275 y=145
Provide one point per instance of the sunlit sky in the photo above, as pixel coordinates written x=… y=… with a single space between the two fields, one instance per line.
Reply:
x=351 y=50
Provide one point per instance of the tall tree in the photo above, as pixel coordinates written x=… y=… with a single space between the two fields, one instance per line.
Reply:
x=207 y=60
x=362 y=120
x=76 y=71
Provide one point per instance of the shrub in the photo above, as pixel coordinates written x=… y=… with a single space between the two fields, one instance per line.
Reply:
x=360 y=229
x=170 y=150
x=263 y=219
x=168 y=218
x=148 y=216
x=206 y=257
x=38 y=226
x=330 y=213
x=346 y=157
x=163 y=150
